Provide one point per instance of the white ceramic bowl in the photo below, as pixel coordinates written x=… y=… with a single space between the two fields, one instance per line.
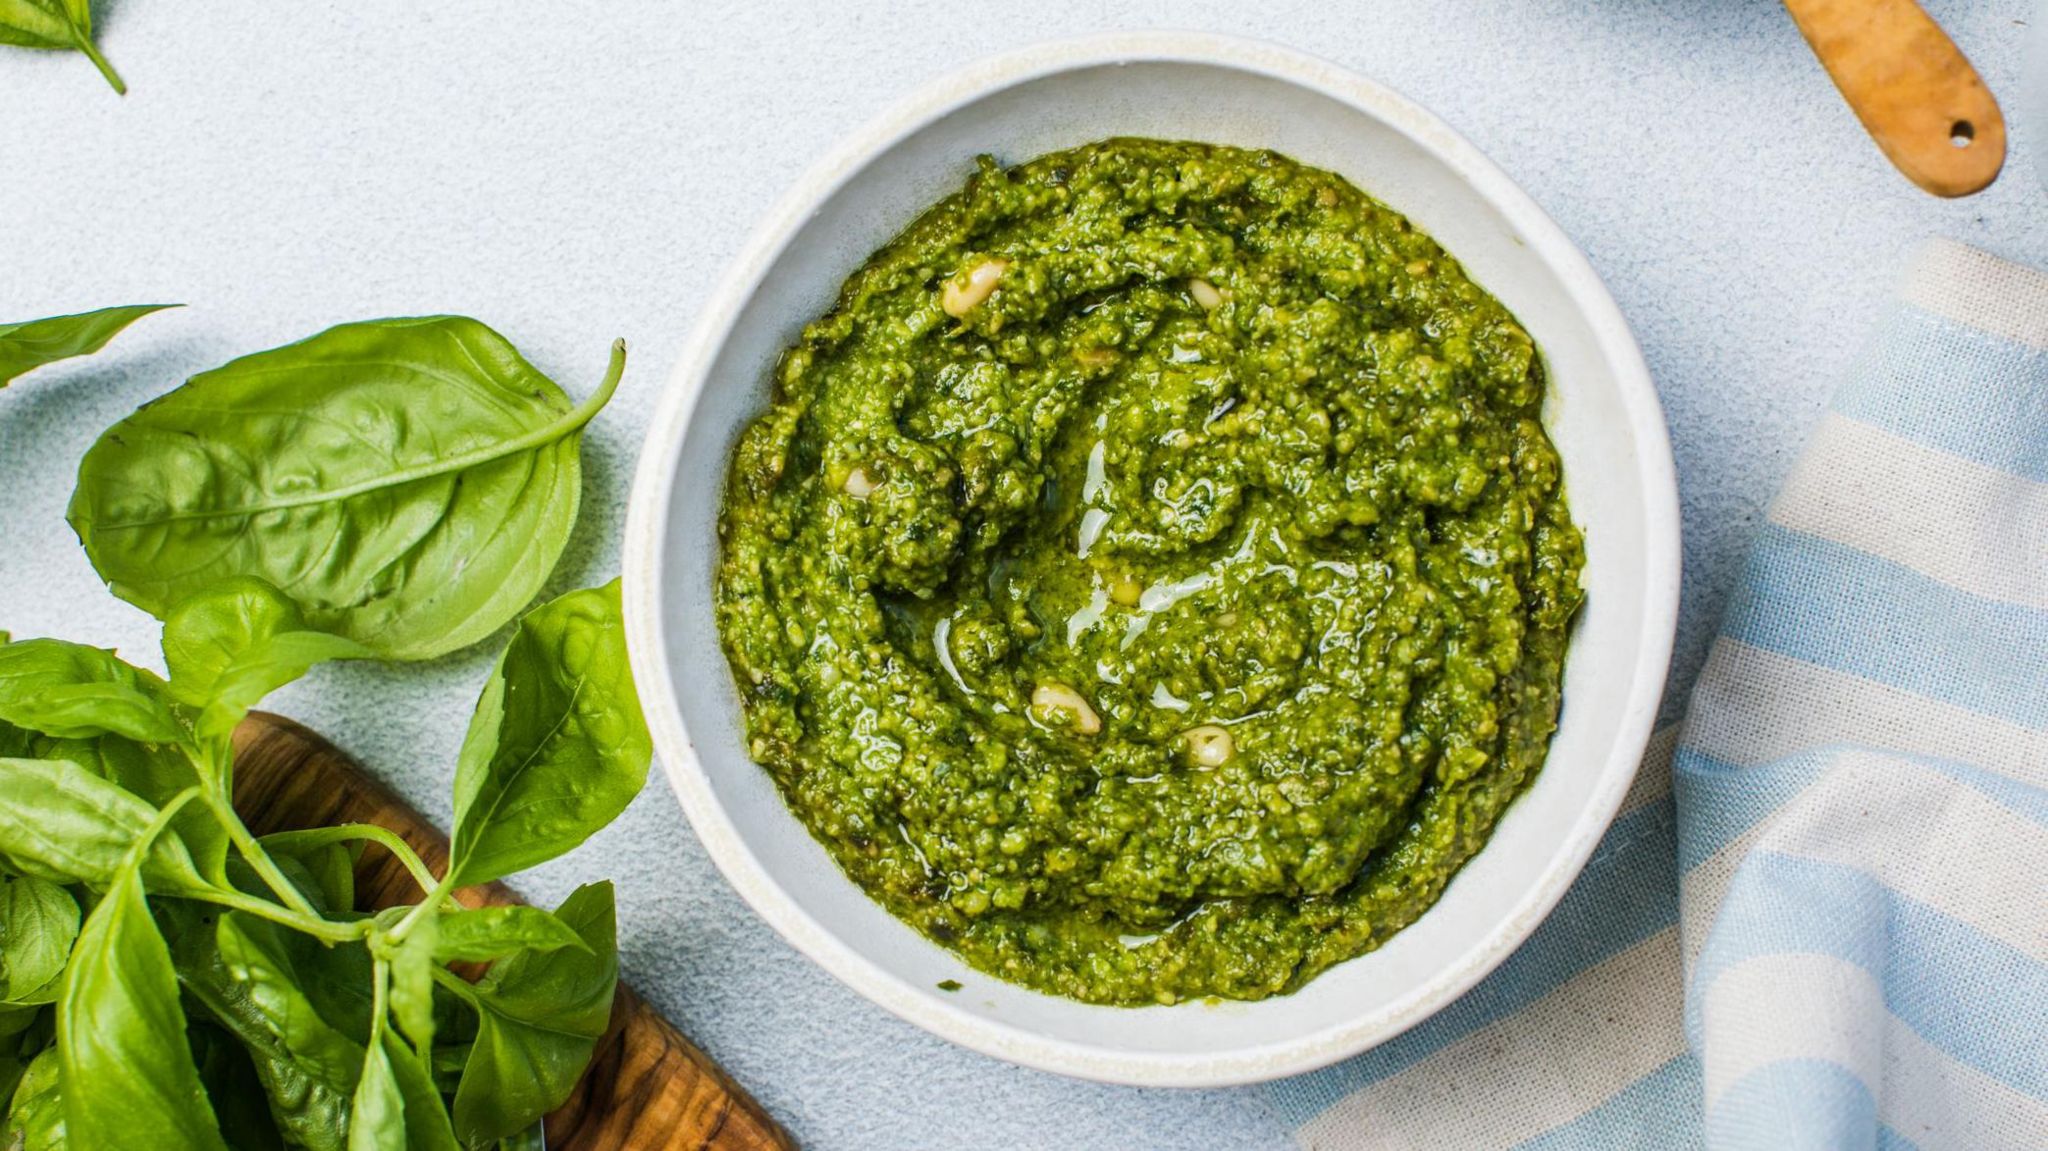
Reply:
x=1602 y=413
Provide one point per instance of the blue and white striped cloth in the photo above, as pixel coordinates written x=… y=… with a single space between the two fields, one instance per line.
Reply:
x=1821 y=920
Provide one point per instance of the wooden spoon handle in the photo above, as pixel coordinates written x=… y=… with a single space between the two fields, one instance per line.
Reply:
x=1912 y=87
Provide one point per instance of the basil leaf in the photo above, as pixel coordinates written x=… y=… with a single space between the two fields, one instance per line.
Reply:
x=540 y=1015
x=376 y=1119
x=409 y=482
x=233 y=1089
x=30 y=344
x=243 y=877
x=557 y=747
x=306 y=1065
x=127 y=1067
x=427 y=1127
x=12 y=1066
x=154 y=773
x=450 y=1058
x=71 y=690
x=38 y=922
x=27 y=1030
x=262 y=960
x=61 y=823
x=65 y=24
x=34 y=24
x=237 y=641
x=35 y=1120
x=17 y=742
x=486 y=933
x=329 y=868
x=15 y=1020
x=25 y=1033
x=396 y=1103
x=412 y=980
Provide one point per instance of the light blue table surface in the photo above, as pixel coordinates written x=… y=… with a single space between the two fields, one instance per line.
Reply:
x=574 y=172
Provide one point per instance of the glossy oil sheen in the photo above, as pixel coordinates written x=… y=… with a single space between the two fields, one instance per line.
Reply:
x=1230 y=445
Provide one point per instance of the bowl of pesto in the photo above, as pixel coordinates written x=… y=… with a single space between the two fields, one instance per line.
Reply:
x=1158 y=564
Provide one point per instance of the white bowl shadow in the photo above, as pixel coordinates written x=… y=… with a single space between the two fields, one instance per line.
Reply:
x=1602 y=413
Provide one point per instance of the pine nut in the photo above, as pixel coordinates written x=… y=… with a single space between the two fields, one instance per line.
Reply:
x=1053 y=696
x=1209 y=745
x=961 y=297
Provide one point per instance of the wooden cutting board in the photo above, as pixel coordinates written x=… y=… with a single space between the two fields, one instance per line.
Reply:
x=647 y=1085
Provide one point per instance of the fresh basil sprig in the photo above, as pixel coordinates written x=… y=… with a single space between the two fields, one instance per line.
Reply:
x=29 y=344
x=64 y=25
x=408 y=483
x=393 y=489
x=341 y=1020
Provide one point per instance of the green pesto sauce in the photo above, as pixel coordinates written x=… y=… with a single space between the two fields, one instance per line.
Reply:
x=1176 y=619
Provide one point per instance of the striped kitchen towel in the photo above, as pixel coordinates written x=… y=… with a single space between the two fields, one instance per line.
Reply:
x=1821 y=919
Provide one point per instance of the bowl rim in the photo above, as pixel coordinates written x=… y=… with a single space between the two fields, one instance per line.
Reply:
x=660 y=458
